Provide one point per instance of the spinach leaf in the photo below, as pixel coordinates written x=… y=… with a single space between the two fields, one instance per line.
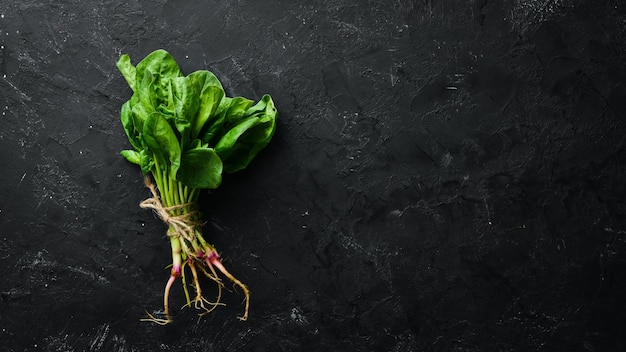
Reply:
x=146 y=162
x=132 y=156
x=243 y=142
x=162 y=142
x=185 y=106
x=128 y=70
x=211 y=94
x=186 y=125
x=229 y=113
x=129 y=127
x=200 y=168
x=161 y=64
x=235 y=111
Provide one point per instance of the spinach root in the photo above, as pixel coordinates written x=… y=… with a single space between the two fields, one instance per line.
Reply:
x=189 y=248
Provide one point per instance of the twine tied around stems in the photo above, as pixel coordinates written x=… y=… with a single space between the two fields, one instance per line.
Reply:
x=180 y=225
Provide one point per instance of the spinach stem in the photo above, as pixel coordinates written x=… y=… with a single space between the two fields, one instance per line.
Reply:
x=181 y=194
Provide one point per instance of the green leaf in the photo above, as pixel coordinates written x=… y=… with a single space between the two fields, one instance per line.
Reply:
x=128 y=70
x=139 y=116
x=172 y=120
x=132 y=156
x=185 y=103
x=126 y=116
x=161 y=64
x=243 y=142
x=204 y=78
x=143 y=102
x=211 y=94
x=148 y=94
x=160 y=138
x=228 y=114
x=185 y=98
x=236 y=111
x=145 y=161
x=200 y=168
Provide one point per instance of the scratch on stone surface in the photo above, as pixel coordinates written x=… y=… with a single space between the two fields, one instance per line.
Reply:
x=21 y=180
x=40 y=262
x=611 y=230
x=529 y=13
x=349 y=243
x=488 y=212
x=100 y=338
x=22 y=95
x=58 y=343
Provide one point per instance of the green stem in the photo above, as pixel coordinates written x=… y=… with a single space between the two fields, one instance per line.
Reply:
x=173 y=192
x=181 y=193
x=206 y=247
x=161 y=177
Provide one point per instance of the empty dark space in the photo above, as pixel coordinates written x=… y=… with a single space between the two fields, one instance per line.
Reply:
x=445 y=176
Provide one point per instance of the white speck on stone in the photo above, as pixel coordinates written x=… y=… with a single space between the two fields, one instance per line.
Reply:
x=298 y=317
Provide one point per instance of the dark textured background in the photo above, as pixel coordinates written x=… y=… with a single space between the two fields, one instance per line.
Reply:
x=446 y=176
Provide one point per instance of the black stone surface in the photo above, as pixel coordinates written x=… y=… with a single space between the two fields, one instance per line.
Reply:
x=446 y=176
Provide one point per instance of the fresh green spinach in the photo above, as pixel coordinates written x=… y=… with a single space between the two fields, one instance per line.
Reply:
x=185 y=133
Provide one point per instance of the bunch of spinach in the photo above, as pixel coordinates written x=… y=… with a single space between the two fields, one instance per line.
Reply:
x=185 y=132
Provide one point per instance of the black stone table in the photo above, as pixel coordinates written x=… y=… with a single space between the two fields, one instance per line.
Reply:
x=445 y=176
